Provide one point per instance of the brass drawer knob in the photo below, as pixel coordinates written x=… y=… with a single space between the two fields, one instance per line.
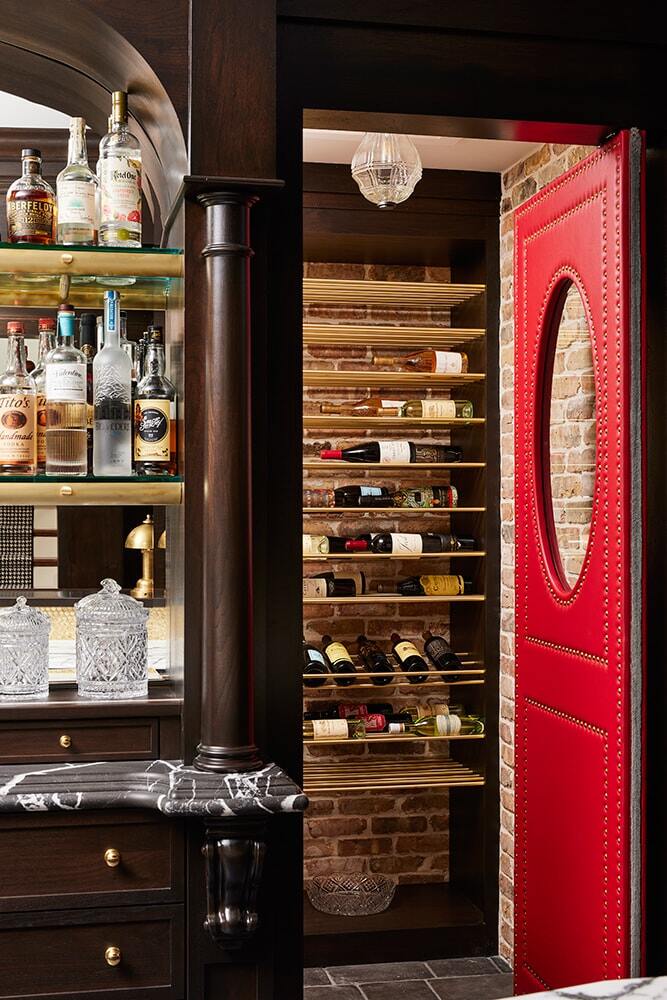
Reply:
x=112 y=956
x=112 y=857
x=65 y=741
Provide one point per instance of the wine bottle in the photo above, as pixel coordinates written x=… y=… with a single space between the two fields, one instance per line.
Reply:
x=426 y=496
x=440 y=362
x=340 y=661
x=314 y=662
x=394 y=451
x=441 y=655
x=437 y=409
x=412 y=543
x=350 y=580
x=360 y=496
x=323 y=544
x=371 y=407
x=314 y=497
x=440 y=725
x=374 y=660
x=443 y=585
x=333 y=729
x=409 y=657
x=325 y=587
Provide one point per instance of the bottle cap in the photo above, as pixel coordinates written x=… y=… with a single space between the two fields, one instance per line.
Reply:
x=155 y=334
x=355 y=545
x=46 y=323
x=31 y=154
x=65 y=307
x=119 y=106
x=88 y=329
x=14 y=326
x=331 y=453
x=76 y=123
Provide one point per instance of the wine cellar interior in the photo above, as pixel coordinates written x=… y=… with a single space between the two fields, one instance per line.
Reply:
x=421 y=810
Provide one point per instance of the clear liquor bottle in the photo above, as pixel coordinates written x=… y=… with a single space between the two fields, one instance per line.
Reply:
x=119 y=170
x=88 y=347
x=155 y=414
x=112 y=394
x=76 y=188
x=31 y=204
x=17 y=409
x=66 y=402
x=47 y=341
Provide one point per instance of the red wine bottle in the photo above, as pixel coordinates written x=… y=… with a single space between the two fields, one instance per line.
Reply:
x=375 y=660
x=326 y=586
x=361 y=496
x=394 y=451
x=412 y=543
x=314 y=662
x=409 y=658
x=351 y=581
x=340 y=661
x=441 y=655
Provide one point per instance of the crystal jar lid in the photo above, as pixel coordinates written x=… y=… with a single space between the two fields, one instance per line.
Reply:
x=21 y=619
x=110 y=607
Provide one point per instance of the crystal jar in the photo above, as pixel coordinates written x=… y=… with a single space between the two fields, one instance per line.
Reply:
x=111 y=644
x=24 y=651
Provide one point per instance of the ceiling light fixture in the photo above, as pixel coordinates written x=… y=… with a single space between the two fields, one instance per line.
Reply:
x=386 y=167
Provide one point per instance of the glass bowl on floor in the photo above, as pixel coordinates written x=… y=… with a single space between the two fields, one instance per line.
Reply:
x=350 y=895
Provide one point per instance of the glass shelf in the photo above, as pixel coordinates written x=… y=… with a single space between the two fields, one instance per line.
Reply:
x=46 y=491
x=44 y=276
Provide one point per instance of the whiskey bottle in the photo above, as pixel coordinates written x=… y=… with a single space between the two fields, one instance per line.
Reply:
x=88 y=347
x=340 y=661
x=314 y=662
x=441 y=655
x=375 y=660
x=394 y=452
x=155 y=414
x=76 y=187
x=66 y=418
x=31 y=204
x=142 y=348
x=119 y=170
x=409 y=658
x=47 y=341
x=426 y=496
x=112 y=379
x=17 y=409
x=444 y=585
x=371 y=407
x=438 y=409
x=436 y=362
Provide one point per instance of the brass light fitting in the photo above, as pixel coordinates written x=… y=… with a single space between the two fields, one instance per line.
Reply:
x=142 y=538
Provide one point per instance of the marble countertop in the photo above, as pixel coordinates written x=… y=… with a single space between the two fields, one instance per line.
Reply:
x=638 y=989
x=167 y=786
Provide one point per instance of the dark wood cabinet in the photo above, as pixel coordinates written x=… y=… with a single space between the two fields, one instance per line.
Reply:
x=110 y=739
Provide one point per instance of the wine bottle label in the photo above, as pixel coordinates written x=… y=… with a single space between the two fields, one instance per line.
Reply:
x=28 y=217
x=451 y=496
x=329 y=728
x=76 y=204
x=393 y=403
x=437 y=647
x=394 y=451
x=406 y=649
x=152 y=421
x=422 y=497
x=396 y=727
x=337 y=651
x=448 y=362
x=406 y=542
x=370 y=491
x=438 y=409
x=17 y=428
x=41 y=428
x=66 y=383
x=315 y=656
x=120 y=190
x=431 y=453
x=448 y=725
x=445 y=586
x=314 y=545
x=374 y=723
x=314 y=588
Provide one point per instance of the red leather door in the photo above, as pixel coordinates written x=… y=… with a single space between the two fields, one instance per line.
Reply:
x=579 y=647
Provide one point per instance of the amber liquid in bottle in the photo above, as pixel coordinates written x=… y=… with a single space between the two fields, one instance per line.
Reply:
x=31 y=204
x=436 y=362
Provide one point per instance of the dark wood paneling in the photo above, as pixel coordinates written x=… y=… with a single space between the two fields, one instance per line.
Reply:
x=113 y=739
x=90 y=543
x=64 y=703
x=56 y=955
x=56 y=861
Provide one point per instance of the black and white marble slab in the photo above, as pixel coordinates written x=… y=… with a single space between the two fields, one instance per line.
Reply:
x=636 y=989
x=168 y=786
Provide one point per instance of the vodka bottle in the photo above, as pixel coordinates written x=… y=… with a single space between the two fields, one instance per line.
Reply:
x=17 y=409
x=65 y=382
x=112 y=381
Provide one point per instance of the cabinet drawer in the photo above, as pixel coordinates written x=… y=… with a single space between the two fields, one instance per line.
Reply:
x=104 y=739
x=57 y=860
x=51 y=955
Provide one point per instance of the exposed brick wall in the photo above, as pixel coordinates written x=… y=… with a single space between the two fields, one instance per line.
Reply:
x=405 y=836
x=572 y=375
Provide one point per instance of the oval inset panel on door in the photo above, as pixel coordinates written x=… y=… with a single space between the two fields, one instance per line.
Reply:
x=570 y=433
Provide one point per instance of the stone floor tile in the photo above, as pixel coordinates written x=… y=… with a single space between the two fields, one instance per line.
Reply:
x=444 y=968
x=495 y=987
x=414 y=989
x=315 y=977
x=385 y=972
x=332 y=993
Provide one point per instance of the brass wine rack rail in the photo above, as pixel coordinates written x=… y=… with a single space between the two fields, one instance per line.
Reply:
x=361 y=424
x=378 y=379
x=388 y=293
x=389 y=512
x=370 y=775
x=392 y=738
x=395 y=599
x=370 y=556
x=383 y=468
x=327 y=334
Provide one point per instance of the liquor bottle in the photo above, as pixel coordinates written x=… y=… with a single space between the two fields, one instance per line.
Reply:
x=47 y=341
x=409 y=658
x=375 y=660
x=360 y=496
x=340 y=661
x=438 y=409
x=441 y=655
x=142 y=348
x=18 y=396
x=130 y=349
x=76 y=187
x=314 y=662
x=31 y=203
x=314 y=545
x=112 y=378
x=412 y=543
x=155 y=414
x=444 y=585
x=394 y=451
x=333 y=729
x=88 y=347
x=66 y=438
x=441 y=725
x=119 y=171
x=426 y=496
x=371 y=407
x=440 y=362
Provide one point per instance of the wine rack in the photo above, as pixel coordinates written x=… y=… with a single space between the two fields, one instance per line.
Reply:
x=404 y=556
x=374 y=775
x=344 y=291
x=388 y=513
x=384 y=468
x=386 y=380
x=390 y=738
x=374 y=598
x=326 y=334
x=361 y=424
